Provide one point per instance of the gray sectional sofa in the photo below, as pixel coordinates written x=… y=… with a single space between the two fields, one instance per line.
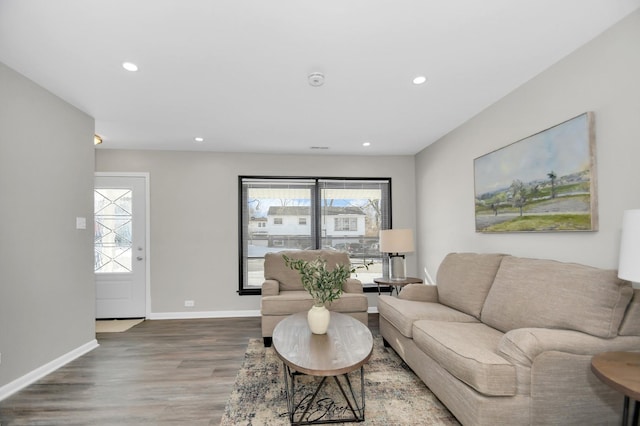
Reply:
x=503 y=340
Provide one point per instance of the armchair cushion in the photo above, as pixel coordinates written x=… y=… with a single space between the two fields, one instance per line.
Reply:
x=293 y=301
x=352 y=285
x=270 y=288
x=289 y=279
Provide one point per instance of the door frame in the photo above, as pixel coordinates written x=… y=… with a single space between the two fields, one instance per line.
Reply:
x=147 y=237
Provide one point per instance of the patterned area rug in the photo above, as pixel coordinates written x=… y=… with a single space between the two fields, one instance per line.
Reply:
x=394 y=394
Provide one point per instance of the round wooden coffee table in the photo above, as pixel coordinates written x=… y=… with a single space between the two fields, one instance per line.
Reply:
x=345 y=348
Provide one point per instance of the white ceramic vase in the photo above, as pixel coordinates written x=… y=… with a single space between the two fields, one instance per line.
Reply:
x=318 y=319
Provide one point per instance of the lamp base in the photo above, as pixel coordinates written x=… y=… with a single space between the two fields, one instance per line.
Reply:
x=397 y=267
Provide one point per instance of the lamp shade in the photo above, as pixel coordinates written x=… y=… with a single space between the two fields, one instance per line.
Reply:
x=396 y=241
x=629 y=266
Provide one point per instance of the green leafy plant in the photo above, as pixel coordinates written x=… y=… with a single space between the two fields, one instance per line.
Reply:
x=323 y=285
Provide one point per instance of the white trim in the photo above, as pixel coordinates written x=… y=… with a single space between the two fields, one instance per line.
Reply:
x=218 y=314
x=202 y=314
x=147 y=243
x=29 y=378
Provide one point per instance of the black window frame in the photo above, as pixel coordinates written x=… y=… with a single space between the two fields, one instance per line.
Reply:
x=315 y=213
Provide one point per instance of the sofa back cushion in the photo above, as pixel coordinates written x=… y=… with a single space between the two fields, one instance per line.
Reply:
x=464 y=280
x=289 y=279
x=541 y=293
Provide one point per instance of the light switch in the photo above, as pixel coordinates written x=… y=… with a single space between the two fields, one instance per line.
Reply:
x=81 y=223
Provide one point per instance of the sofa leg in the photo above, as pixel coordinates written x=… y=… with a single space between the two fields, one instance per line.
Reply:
x=267 y=341
x=385 y=343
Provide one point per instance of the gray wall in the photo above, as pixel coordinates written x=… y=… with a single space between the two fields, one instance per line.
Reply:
x=194 y=215
x=602 y=76
x=46 y=265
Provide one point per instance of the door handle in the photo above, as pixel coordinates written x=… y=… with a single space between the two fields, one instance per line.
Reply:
x=139 y=258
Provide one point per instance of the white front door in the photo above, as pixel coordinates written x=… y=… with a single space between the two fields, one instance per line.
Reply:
x=120 y=252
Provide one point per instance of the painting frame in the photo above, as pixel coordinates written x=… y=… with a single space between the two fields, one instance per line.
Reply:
x=546 y=182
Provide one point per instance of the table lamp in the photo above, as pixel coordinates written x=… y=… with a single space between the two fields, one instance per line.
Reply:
x=396 y=242
x=629 y=266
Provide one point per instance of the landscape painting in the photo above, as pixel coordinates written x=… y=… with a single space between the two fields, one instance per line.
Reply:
x=543 y=183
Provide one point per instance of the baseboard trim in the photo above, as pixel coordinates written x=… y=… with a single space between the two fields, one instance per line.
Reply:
x=217 y=314
x=35 y=375
x=202 y=314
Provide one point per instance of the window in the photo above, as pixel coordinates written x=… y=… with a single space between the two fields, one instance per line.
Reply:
x=346 y=224
x=307 y=213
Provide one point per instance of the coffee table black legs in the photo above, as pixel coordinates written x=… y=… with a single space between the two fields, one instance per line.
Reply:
x=306 y=409
x=625 y=412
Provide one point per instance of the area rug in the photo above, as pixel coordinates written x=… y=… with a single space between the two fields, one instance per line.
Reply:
x=394 y=394
x=116 y=326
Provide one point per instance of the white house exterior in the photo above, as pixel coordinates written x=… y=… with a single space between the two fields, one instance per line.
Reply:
x=292 y=224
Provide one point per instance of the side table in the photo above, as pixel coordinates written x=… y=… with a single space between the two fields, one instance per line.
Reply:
x=396 y=284
x=621 y=371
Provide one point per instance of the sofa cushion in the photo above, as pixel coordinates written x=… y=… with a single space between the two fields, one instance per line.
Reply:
x=402 y=313
x=464 y=280
x=631 y=323
x=294 y=301
x=469 y=352
x=537 y=293
x=289 y=279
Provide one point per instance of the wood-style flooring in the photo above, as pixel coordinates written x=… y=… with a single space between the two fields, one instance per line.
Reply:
x=162 y=372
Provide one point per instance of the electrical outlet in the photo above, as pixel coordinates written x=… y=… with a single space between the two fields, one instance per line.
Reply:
x=189 y=303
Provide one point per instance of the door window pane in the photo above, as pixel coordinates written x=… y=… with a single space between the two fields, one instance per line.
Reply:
x=112 y=240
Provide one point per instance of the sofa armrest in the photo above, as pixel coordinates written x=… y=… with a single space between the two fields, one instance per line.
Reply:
x=352 y=285
x=523 y=345
x=270 y=288
x=419 y=292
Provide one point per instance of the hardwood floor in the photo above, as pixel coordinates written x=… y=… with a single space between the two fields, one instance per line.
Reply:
x=163 y=372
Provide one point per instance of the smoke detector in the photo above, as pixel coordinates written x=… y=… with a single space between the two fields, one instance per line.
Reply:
x=316 y=79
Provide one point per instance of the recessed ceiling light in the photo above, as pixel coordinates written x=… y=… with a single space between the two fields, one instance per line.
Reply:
x=421 y=79
x=366 y=144
x=198 y=139
x=130 y=66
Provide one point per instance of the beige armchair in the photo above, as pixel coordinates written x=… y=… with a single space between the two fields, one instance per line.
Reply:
x=283 y=294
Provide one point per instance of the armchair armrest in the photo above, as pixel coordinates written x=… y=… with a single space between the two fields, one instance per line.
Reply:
x=523 y=345
x=270 y=288
x=352 y=285
x=419 y=293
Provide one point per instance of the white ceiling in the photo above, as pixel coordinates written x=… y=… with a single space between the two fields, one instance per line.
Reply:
x=235 y=71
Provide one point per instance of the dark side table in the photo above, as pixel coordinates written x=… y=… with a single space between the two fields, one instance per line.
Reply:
x=621 y=371
x=395 y=284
